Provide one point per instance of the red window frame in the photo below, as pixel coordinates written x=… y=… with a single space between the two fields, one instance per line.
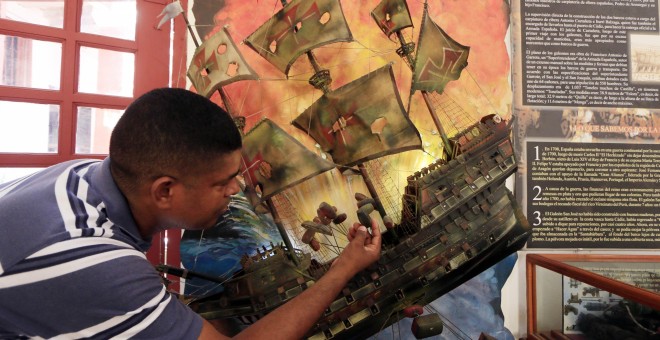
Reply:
x=152 y=70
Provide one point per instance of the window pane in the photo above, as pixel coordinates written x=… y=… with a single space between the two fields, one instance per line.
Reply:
x=30 y=63
x=112 y=18
x=28 y=127
x=10 y=174
x=106 y=72
x=94 y=128
x=47 y=13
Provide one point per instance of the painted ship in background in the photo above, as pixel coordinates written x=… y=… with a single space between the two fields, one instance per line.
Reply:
x=457 y=217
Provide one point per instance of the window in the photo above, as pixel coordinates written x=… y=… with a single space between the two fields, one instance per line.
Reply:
x=68 y=69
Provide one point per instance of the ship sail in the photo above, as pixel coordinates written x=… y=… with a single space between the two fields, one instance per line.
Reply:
x=392 y=16
x=216 y=63
x=298 y=28
x=274 y=161
x=362 y=120
x=439 y=60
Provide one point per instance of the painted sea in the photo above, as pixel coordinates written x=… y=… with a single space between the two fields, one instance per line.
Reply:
x=218 y=251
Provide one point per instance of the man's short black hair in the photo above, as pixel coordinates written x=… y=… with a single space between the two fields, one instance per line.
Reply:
x=169 y=131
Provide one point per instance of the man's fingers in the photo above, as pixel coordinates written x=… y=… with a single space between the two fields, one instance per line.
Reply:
x=375 y=233
x=360 y=234
x=352 y=230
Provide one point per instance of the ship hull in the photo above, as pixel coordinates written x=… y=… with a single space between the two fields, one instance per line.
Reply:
x=421 y=288
x=416 y=272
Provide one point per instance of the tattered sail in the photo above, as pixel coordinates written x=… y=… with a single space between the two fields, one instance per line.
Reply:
x=362 y=120
x=392 y=16
x=274 y=161
x=216 y=63
x=440 y=59
x=299 y=27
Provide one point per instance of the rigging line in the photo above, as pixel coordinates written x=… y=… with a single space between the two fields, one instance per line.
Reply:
x=270 y=24
x=182 y=62
x=336 y=242
x=375 y=51
x=386 y=320
x=199 y=246
x=330 y=247
x=336 y=66
x=342 y=228
x=482 y=91
x=242 y=105
x=452 y=327
x=273 y=106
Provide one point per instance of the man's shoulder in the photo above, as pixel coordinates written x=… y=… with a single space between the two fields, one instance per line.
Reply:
x=43 y=209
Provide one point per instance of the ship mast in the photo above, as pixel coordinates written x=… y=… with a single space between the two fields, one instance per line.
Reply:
x=406 y=51
x=321 y=80
x=435 y=61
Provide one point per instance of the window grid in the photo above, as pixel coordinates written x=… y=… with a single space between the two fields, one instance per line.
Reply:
x=152 y=64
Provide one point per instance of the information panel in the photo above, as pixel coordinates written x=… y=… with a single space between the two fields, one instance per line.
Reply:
x=593 y=195
x=587 y=107
x=584 y=52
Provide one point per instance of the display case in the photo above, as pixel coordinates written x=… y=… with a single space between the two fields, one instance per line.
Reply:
x=566 y=291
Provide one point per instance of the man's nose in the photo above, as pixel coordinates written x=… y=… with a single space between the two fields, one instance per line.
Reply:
x=234 y=187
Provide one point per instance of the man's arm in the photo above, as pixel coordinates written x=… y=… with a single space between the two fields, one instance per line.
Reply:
x=294 y=319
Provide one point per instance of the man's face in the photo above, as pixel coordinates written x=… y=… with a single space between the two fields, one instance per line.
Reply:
x=206 y=197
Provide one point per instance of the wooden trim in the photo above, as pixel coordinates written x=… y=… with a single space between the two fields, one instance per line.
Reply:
x=531 y=298
x=600 y=257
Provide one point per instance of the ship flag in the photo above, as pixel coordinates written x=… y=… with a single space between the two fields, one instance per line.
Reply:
x=392 y=16
x=361 y=120
x=298 y=28
x=216 y=63
x=439 y=60
x=275 y=161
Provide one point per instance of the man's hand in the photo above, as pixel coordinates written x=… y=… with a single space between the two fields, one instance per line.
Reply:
x=362 y=250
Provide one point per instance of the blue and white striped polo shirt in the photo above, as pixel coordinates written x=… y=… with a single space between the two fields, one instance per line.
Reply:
x=72 y=262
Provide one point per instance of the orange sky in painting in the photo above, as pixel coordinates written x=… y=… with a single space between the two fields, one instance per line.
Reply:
x=479 y=24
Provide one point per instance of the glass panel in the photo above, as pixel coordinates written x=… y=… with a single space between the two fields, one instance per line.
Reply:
x=645 y=275
x=10 y=174
x=30 y=63
x=588 y=309
x=106 y=72
x=28 y=127
x=47 y=13
x=112 y=18
x=93 y=129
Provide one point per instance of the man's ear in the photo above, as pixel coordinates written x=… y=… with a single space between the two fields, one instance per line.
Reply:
x=162 y=191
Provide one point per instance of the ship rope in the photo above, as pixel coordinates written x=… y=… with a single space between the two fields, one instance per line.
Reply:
x=291 y=220
x=454 y=117
x=453 y=328
x=386 y=187
x=386 y=322
x=197 y=289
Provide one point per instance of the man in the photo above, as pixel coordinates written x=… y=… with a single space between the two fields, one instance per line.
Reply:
x=73 y=235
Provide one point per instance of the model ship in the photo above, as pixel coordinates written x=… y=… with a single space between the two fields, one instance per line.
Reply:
x=457 y=217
